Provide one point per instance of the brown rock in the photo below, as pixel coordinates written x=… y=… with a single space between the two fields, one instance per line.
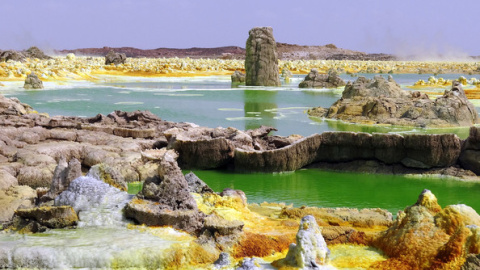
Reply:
x=152 y=213
x=317 y=80
x=33 y=82
x=261 y=60
x=53 y=217
x=13 y=198
x=115 y=58
x=292 y=157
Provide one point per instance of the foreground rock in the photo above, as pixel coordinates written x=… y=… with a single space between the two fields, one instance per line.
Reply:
x=115 y=58
x=167 y=202
x=425 y=236
x=316 y=80
x=310 y=251
x=51 y=217
x=261 y=60
x=381 y=101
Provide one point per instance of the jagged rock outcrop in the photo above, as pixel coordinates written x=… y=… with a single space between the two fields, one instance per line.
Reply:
x=33 y=82
x=196 y=185
x=425 y=236
x=317 y=80
x=286 y=74
x=115 y=58
x=311 y=251
x=382 y=101
x=222 y=261
x=167 y=203
x=238 y=77
x=261 y=60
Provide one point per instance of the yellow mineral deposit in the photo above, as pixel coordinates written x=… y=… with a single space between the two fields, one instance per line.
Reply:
x=71 y=67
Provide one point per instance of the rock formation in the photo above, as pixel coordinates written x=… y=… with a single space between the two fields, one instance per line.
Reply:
x=425 y=236
x=11 y=55
x=470 y=155
x=261 y=60
x=33 y=82
x=384 y=102
x=317 y=80
x=34 y=52
x=196 y=185
x=115 y=58
x=310 y=250
x=40 y=218
x=238 y=77
x=168 y=202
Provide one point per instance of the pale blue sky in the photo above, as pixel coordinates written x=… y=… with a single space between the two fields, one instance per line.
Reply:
x=401 y=27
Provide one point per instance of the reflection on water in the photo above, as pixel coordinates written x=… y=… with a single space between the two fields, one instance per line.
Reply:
x=259 y=104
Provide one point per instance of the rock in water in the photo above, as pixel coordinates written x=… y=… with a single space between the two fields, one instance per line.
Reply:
x=261 y=60
x=381 y=101
x=238 y=77
x=33 y=82
x=115 y=58
x=311 y=250
x=196 y=184
x=317 y=80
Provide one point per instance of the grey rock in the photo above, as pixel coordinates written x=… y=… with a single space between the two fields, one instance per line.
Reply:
x=238 y=77
x=63 y=175
x=248 y=264
x=33 y=82
x=34 y=52
x=172 y=192
x=222 y=261
x=196 y=185
x=311 y=250
x=317 y=80
x=115 y=58
x=381 y=101
x=261 y=60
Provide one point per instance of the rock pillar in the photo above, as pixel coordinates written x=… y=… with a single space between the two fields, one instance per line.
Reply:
x=261 y=61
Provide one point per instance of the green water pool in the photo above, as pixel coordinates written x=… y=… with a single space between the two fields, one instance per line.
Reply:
x=319 y=188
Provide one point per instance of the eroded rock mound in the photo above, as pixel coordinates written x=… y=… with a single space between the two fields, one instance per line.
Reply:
x=33 y=82
x=34 y=52
x=311 y=251
x=425 y=236
x=115 y=58
x=317 y=80
x=11 y=55
x=261 y=60
x=52 y=217
x=383 y=101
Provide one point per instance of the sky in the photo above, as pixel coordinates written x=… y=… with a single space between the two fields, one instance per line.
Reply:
x=406 y=27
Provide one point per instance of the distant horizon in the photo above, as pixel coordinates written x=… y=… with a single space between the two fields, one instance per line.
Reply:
x=424 y=28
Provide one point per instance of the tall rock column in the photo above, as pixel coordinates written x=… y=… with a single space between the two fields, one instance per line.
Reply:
x=261 y=61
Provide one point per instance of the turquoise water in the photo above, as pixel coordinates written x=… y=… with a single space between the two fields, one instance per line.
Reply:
x=314 y=187
x=212 y=102
x=208 y=101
